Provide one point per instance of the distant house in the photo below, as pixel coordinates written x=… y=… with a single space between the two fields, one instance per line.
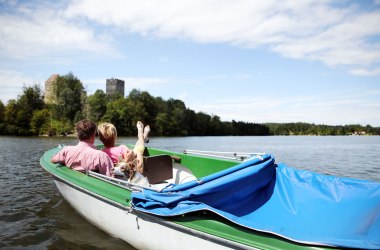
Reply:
x=49 y=95
x=359 y=133
x=114 y=85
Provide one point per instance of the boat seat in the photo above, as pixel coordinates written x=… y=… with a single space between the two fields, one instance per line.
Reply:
x=181 y=174
x=158 y=168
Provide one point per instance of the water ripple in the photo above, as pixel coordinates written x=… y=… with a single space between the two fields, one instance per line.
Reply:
x=33 y=214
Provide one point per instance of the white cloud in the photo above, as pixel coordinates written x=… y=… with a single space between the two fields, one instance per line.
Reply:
x=39 y=32
x=332 y=109
x=11 y=83
x=316 y=30
x=344 y=43
x=365 y=72
x=313 y=30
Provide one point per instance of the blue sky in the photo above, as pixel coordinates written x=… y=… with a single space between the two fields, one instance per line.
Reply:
x=254 y=61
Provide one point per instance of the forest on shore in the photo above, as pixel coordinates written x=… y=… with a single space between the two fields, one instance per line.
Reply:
x=29 y=115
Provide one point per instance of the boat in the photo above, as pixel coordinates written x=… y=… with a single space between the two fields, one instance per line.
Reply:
x=210 y=201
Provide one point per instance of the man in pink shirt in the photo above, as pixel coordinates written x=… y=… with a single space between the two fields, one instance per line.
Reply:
x=84 y=156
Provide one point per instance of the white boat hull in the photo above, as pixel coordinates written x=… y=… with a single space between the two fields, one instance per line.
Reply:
x=139 y=230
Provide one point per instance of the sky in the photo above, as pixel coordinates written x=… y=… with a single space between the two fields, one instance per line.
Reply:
x=243 y=60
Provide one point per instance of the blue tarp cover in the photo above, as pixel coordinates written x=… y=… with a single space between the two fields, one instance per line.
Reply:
x=299 y=205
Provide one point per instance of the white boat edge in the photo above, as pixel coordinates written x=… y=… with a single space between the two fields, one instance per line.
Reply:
x=142 y=231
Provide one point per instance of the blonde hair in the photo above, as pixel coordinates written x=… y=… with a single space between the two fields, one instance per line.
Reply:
x=107 y=134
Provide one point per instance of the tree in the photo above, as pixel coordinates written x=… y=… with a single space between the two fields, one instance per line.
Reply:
x=97 y=105
x=136 y=109
x=124 y=114
x=201 y=123
x=69 y=103
x=30 y=100
x=151 y=108
x=41 y=122
x=2 y=114
x=18 y=113
x=162 y=124
x=2 y=110
x=216 y=126
x=29 y=115
x=176 y=111
x=60 y=128
x=189 y=124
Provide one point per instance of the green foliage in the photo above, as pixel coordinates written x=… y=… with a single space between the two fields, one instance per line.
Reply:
x=300 y=128
x=97 y=105
x=70 y=99
x=162 y=123
x=150 y=105
x=30 y=101
x=2 y=115
x=2 y=108
x=41 y=121
x=119 y=112
x=28 y=115
x=18 y=114
x=60 y=128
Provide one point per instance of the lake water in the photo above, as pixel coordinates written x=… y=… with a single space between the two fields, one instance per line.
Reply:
x=33 y=214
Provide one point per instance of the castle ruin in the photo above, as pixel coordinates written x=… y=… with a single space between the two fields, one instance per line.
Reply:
x=114 y=85
x=49 y=95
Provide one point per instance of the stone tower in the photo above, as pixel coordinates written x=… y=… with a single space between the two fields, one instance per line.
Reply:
x=49 y=96
x=114 y=85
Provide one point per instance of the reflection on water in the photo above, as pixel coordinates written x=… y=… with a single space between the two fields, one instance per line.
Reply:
x=33 y=214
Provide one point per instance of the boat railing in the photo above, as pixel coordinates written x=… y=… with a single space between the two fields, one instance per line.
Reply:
x=241 y=156
x=120 y=183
